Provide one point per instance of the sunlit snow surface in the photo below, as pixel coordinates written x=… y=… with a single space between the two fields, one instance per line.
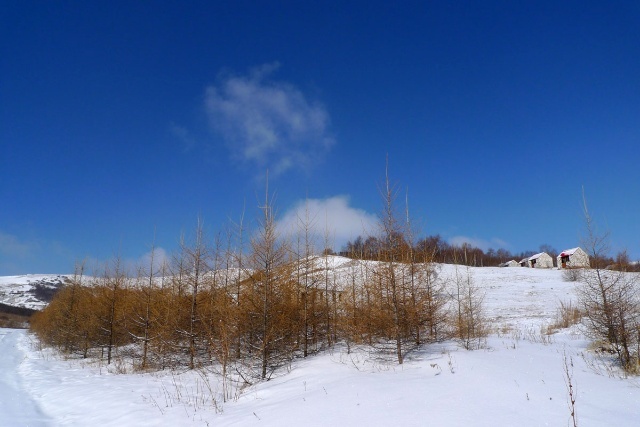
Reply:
x=517 y=380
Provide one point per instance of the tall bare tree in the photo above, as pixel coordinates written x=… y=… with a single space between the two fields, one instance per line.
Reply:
x=611 y=299
x=111 y=291
x=391 y=286
x=144 y=312
x=308 y=279
x=267 y=297
x=468 y=305
x=197 y=257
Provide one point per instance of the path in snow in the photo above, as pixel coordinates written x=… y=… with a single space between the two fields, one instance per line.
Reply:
x=16 y=406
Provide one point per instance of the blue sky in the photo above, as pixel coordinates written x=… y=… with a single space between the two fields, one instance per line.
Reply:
x=121 y=121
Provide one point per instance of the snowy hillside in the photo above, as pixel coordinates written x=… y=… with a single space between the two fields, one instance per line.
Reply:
x=30 y=291
x=518 y=379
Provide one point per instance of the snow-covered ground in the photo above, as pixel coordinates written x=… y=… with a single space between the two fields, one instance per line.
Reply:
x=17 y=407
x=517 y=380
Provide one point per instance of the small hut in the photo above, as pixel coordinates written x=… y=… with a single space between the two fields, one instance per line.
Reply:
x=573 y=258
x=541 y=260
x=512 y=263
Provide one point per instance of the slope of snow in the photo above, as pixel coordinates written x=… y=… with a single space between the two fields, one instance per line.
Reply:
x=19 y=291
x=520 y=297
x=518 y=379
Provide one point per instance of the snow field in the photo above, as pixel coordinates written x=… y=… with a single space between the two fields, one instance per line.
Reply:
x=518 y=379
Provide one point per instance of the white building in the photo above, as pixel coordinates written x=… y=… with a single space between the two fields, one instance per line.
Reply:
x=541 y=260
x=512 y=263
x=573 y=258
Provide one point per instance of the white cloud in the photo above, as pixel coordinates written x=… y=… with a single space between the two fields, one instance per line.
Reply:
x=499 y=243
x=26 y=256
x=10 y=245
x=494 y=243
x=160 y=257
x=268 y=123
x=131 y=266
x=333 y=214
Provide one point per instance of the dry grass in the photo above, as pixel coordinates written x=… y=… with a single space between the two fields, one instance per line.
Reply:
x=15 y=321
x=567 y=315
x=572 y=274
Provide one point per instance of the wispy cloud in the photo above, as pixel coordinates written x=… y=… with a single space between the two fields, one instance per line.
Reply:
x=268 y=123
x=25 y=255
x=332 y=215
x=495 y=243
x=14 y=253
x=131 y=266
x=183 y=135
x=20 y=256
x=10 y=245
x=160 y=257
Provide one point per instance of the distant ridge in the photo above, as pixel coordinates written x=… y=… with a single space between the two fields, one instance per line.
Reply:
x=31 y=292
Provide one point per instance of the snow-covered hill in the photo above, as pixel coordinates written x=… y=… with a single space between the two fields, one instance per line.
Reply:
x=518 y=379
x=32 y=291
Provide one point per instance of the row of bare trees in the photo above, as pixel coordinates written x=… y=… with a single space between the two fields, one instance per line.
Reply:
x=441 y=251
x=253 y=303
x=466 y=254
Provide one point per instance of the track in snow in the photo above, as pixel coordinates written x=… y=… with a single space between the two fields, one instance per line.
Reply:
x=17 y=408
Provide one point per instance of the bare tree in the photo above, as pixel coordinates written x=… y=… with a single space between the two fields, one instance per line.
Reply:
x=330 y=291
x=268 y=296
x=197 y=258
x=143 y=313
x=308 y=278
x=71 y=322
x=392 y=295
x=610 y=299
x=110 y=289
x=433 y=291
x=238 y=261
x=468 y=304
x=426 y=292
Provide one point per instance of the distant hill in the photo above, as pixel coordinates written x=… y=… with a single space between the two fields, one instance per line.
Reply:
x=31 y=291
